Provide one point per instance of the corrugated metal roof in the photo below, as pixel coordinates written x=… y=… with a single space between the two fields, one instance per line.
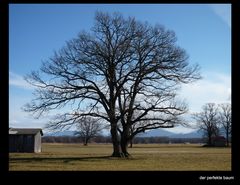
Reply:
x=25 y=131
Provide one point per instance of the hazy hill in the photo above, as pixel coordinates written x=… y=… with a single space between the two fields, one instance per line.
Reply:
x=163 y=133
x=61 y=133
x=152 y=133
x=156 y=133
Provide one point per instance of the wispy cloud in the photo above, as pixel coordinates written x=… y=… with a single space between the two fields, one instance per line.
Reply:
x=25 y=122
x=20 y=119
x=17 y=80
x=223 y=11
x=214 y=87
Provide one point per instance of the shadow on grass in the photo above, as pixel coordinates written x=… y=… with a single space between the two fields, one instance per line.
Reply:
x=64 y=159
x=55 y=159
x=169 y=146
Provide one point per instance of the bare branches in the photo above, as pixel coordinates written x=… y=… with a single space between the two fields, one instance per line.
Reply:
x=207 y=120
x=123 y=66
x=88 y=128
x=67 y=120
x=225 y=119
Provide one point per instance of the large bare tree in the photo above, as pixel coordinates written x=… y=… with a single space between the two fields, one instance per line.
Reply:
x=120 y=67
x=208 y=121
x=225 y=120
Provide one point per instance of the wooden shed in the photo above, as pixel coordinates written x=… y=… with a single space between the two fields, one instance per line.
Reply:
x=25 y=140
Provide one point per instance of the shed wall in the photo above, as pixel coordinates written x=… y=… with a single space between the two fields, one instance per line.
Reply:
x=37 y=143
x=21 y=143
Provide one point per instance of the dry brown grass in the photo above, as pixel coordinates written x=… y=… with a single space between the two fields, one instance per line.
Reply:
x=145 y=157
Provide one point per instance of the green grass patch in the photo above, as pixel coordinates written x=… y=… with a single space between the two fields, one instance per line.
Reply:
x=144 y=157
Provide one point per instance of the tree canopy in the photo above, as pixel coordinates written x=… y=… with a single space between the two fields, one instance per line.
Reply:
x=123 y=71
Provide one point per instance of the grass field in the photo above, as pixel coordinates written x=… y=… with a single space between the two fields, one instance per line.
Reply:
x=96 y=157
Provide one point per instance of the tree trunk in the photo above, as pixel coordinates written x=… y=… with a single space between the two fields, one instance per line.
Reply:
x=117 y=152
x=131 y=143
x=125 y=139
x=119 y=145
x=124 y=147
x=86 y=141
x=209 y=139
x=227 y=138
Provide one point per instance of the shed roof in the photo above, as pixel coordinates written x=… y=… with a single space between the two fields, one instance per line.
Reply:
x=17 y=131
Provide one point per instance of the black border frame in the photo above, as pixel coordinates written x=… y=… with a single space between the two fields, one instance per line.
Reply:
x=117 y=176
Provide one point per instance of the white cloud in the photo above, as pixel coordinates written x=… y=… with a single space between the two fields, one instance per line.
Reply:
x=17 y=80
x=180 y=130
x=20 y=119
x=223 y=11
x=214 y=87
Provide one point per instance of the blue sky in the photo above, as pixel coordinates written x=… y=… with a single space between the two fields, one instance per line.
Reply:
x=37 y=30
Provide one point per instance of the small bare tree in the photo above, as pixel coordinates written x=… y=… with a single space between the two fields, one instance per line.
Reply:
x=207 y=120
x=88 y=128
x=225 y=119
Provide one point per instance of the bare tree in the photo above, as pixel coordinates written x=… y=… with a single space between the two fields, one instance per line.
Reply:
x=88 y=128
x=207 y=120
x=122 y=66
x=225 y=119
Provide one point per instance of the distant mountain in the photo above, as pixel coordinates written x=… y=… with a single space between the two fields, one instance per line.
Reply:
x=62 y=133
x=194 y=134
x=152 y=133
x=163 y=133
x=156 y=133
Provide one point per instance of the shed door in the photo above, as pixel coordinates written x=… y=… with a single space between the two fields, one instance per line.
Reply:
x=28 y=143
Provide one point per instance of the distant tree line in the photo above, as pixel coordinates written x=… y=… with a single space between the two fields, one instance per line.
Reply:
x=61 y=139
x=107 y=139
x=141 y=140
x=215 y=121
